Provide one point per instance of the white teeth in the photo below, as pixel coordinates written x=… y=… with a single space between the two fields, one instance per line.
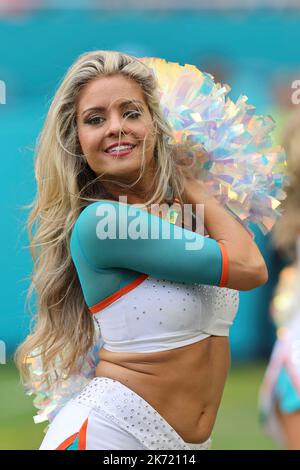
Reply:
x=119 y=148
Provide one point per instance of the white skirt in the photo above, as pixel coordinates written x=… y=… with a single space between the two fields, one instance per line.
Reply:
x=107 y=415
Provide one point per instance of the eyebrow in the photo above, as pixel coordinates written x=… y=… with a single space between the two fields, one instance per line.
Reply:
x=102 y=108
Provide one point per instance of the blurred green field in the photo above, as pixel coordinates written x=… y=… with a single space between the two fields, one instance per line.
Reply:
x=236 y=428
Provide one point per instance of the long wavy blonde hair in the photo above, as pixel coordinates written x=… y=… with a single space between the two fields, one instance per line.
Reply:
x=62 y=328
x=287 y=229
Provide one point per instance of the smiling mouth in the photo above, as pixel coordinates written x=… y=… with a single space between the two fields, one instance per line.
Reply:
x=120 y=153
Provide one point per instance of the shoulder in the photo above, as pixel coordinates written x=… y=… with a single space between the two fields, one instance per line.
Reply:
x=106 y=211
x=103 y=210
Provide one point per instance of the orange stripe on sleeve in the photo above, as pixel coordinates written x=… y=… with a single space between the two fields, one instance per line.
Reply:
x=225 y=266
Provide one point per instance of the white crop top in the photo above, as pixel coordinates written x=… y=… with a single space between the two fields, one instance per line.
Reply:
x=150 y=294
x=159 y=315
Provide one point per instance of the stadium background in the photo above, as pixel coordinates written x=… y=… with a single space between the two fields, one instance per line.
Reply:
x=253 y=49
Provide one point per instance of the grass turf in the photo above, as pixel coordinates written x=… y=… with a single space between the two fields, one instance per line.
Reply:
x=236 y=427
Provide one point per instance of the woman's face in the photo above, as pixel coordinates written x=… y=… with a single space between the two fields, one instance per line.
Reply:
x=119 y=116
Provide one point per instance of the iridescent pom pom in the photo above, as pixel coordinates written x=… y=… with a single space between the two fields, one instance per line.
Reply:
x=240 y=167
x=50 y=401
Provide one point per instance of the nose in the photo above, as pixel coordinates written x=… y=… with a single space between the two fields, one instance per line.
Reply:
x=115 y=124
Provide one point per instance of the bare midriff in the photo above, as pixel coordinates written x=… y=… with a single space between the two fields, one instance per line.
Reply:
x=184 y=385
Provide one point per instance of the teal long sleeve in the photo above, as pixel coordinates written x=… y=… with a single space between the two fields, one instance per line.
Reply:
x=106 y=264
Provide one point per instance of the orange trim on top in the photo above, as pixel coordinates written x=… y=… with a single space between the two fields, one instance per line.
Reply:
x=110 y=299
x=67 y=442
x=225 y=266
x=82 y=436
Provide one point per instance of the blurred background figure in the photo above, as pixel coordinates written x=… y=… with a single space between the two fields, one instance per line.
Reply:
x=282 y=103
x=218 y=65
x=280 y=391
x=18 y=7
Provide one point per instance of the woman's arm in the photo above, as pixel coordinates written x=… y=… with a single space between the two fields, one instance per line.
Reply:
x=109 y=234
x=247 y=268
